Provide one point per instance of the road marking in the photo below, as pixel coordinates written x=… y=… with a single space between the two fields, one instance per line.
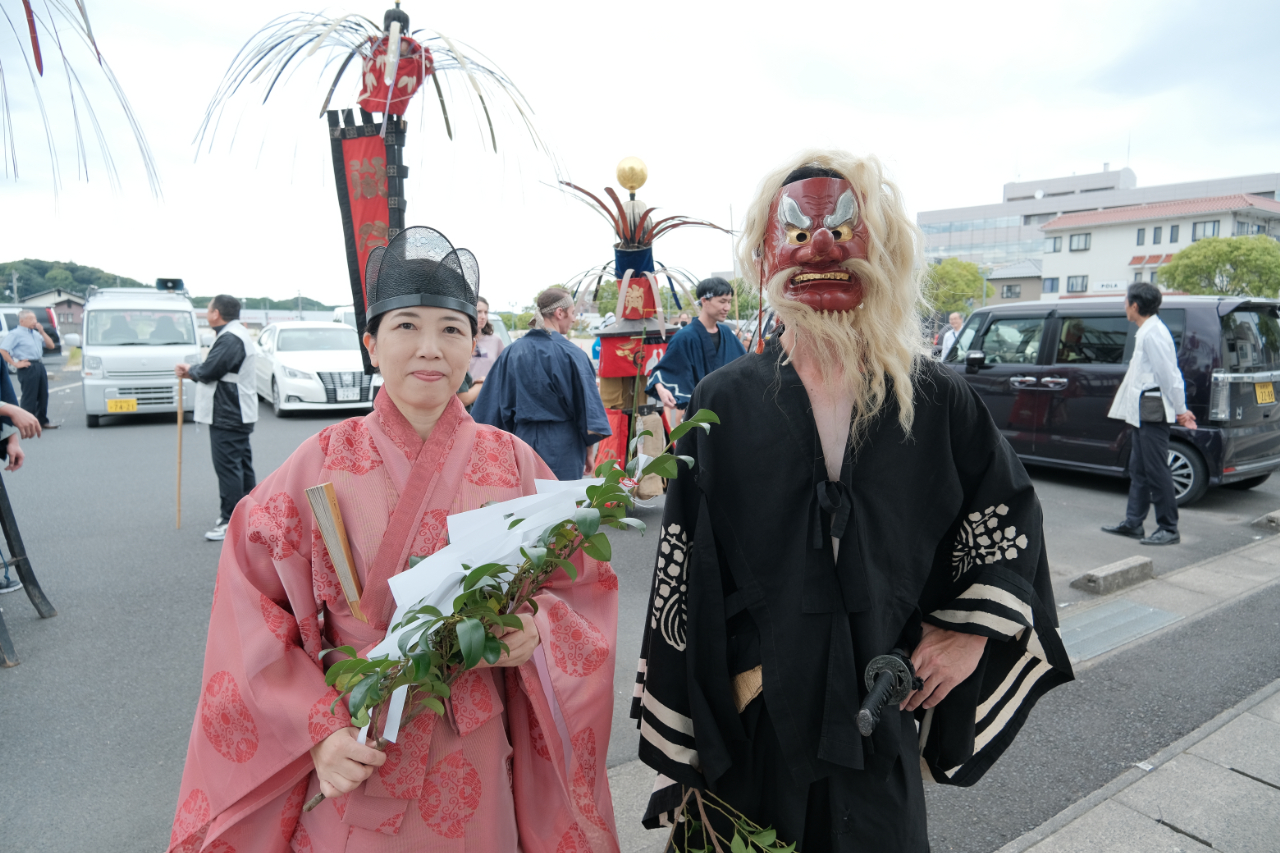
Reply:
x=65 y=387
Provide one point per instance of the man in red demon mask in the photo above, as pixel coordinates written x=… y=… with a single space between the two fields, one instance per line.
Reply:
x=855 y=501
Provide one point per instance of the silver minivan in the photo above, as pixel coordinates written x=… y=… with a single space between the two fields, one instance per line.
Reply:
x=133 y=337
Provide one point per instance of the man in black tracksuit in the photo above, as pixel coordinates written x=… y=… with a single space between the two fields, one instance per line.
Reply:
x=227 y=400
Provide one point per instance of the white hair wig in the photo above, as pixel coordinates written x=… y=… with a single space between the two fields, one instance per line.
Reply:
x=882 y=337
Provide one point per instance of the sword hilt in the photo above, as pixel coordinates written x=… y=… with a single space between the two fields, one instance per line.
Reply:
x=890 y=679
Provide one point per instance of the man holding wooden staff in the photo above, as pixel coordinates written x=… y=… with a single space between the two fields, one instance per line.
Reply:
x=227 y=401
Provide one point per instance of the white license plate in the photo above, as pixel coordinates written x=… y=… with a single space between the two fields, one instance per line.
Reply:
x=347 y=394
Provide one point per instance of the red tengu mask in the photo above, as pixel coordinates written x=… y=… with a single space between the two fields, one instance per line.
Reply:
x=815 y=225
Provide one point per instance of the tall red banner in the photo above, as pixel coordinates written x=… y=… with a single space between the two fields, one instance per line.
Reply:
x=365 y=159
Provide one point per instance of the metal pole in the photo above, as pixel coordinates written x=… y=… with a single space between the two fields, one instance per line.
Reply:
x=180 y=417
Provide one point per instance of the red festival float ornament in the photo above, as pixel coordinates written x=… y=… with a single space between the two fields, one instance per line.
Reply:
x=368 y=164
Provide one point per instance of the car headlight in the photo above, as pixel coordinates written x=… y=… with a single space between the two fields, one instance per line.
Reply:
x=92 y=362
x=297 y=374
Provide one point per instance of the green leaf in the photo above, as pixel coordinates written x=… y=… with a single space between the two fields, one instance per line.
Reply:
x=537 y=556
x=664 y=466
x=632 y=465
x=587 y=520
x=598 y=547
x=601 y=470
x=704 y=416
x=635 y=442
x=738 y=845
x=633 y=522
x=765 y=837
x=360 y=719
x=493 y=648
x=510 y=620
x=790 y=848
x=346 y=650
x=569 y=569
x=414 y=560
x=478 y=574
x=434 y=705
x=366 y=694
x=514 y=522
x=687 y=460
x=471 y=636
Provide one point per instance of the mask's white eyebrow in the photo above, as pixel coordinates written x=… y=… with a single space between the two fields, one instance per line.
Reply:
x=844 y=210
x=789 y=214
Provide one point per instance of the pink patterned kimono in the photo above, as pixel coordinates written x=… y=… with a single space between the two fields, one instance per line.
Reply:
x=518 y=763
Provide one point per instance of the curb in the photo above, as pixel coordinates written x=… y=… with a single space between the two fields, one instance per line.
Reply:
x=1133 y=774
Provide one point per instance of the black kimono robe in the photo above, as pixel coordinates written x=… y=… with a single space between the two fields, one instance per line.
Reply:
x=943 y=526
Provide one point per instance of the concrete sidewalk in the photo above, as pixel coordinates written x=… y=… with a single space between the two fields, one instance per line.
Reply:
x=1218 y=788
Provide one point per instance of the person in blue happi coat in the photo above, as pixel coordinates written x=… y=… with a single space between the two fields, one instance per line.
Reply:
x=543 y=390
x=706 y=344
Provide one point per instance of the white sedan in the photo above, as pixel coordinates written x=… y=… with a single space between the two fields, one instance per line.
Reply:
x=312 y=366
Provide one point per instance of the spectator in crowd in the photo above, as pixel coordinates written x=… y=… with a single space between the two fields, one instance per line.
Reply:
x=22 y=348
x=949 y=338
x=15 y=422
x=227 y=400
x=1151 y=395
x=697 y=349
x=488 y=348
x=543 y=390
x=683 y=319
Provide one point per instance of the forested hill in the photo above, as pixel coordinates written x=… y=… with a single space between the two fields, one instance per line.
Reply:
x=36 y=276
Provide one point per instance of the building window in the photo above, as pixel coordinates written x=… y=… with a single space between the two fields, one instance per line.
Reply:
x=1173 y=233
x=1050 y=285
x=1200 y=230
x=1137 y=276
x=1053 y=244
x=1077 y=284
x=1155 y=235
x=1142 y=236
x=1153 y=276
x=1011 y=291
x=1079 y=242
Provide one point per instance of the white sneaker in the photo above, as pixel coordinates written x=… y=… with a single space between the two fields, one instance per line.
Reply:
x=12 y=586
x=218 y=533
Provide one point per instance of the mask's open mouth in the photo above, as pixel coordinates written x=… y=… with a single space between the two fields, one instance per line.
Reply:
x=833 y=290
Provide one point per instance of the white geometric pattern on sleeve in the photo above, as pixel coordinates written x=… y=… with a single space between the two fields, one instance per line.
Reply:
x=982 y=540
x=670 y=608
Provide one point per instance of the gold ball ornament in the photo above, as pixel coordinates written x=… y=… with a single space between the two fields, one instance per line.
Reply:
x=632 y=173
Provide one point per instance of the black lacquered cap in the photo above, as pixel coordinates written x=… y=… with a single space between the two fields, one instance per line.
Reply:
x=421 y=267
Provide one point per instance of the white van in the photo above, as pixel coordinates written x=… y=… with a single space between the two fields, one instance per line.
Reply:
x=133 y=337
x=345 y=314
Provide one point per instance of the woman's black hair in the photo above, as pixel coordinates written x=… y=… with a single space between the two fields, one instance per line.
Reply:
x=1145 y=297
x=488 y=327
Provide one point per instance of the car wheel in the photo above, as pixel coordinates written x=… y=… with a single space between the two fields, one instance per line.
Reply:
x=1245 y=485
x=92 y=421
x=276 y=401
x=1190 y=475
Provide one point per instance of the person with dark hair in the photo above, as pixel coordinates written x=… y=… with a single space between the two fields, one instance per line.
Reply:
x=705 y=345
x=488 y=348
x=542 y=388
x=1151 y=395
x=227 y=400
x=488 y=772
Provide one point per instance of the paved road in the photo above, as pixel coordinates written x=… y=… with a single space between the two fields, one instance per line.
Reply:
x=96 y=719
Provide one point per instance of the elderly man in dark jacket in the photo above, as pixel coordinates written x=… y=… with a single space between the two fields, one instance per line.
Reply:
x=227 y=400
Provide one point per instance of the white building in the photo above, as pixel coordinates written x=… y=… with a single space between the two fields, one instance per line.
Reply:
x=1104 y=251
x=1008 y=232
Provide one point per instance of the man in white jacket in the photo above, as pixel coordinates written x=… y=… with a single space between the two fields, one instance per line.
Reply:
x=1153 y=377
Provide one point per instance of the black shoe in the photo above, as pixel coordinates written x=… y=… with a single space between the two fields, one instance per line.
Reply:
x=1122 y=529
x=1162 y=537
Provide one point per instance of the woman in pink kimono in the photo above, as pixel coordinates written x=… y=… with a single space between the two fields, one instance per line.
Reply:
x=518 y=761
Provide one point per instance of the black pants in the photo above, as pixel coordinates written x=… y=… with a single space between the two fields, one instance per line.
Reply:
x=34 y=380
x=1150 y=481
x=233 y=463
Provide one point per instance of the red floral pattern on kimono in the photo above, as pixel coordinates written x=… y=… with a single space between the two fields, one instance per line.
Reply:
x=349 y=447
x=450 y=795
x=226 y=720
x=500 y=772
x=577 y=646
x=277 y=526
x=608 y=579
x=493 y=461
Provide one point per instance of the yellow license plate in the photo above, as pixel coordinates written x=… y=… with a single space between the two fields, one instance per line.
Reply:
x=122 y=404
x=1266 y=392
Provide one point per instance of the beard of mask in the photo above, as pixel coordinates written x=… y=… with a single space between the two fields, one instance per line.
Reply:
x=841 y=345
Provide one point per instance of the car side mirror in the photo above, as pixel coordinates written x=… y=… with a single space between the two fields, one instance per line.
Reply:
x=72 y=339
x=207 y=339
x=974 y=360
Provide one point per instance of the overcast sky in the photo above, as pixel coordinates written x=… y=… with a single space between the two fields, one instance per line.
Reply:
x=955 y=98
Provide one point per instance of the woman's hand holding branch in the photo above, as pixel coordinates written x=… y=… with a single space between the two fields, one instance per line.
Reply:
x=342 y=763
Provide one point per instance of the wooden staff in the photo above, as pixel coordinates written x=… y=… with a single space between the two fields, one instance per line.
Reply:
x=180 y=414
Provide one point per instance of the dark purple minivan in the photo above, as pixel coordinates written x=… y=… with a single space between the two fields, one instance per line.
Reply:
x=1048 y=371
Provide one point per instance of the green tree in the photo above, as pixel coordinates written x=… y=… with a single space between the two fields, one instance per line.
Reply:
x=955 y=285
x=1236 y=266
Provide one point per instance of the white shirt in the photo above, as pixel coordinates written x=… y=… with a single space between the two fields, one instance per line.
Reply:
x=1154 y=365
x=948 y=341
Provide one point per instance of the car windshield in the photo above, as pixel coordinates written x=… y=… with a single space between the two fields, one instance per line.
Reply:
x=133 y=327
x=1251 y=340
x=309 y=340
